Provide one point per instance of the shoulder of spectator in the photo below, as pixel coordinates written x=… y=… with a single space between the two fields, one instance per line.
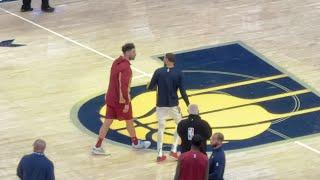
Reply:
x=205 y=156
x=205 y=122
x=182 y=122
x=50 y=163
x=26 y=156
x=23 y=158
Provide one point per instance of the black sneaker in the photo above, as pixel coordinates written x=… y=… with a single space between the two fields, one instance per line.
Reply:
x=48 y=9
x=23 y=9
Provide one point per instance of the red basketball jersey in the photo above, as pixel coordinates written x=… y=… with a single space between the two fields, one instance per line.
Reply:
x=193 y=165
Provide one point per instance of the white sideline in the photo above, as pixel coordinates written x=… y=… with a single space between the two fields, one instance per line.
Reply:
x=73 y=41
x=308 y=147
x=296 y=142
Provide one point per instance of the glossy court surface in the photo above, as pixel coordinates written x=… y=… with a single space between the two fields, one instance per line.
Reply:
x=66 y=58
x=238 y=93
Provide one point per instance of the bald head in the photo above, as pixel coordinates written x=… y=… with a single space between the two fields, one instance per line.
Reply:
x=39 y=146
x=193 y=109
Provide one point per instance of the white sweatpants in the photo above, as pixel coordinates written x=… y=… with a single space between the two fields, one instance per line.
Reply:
x=162 y=114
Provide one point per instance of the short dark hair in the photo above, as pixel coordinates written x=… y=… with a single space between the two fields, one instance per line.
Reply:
x=219 y=135
x=127 y=47
x=170 y=57
x=196 y=140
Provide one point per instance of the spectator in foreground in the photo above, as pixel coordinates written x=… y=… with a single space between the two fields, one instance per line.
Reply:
x=193 y=165
x=36 y=166
x=193 y=125
x=217 y=159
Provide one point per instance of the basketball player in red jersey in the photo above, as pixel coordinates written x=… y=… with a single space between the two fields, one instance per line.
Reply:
x=118 y=101
x=193 y=165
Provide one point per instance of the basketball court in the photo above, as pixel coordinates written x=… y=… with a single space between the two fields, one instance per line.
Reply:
x=252 y=67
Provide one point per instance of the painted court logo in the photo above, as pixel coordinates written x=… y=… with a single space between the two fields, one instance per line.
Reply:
x=238 y=93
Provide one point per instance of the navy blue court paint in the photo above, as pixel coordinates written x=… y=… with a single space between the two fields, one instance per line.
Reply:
x=2 y=1
x=229 y=64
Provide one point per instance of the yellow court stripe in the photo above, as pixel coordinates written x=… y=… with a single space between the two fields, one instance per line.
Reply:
x=269 y=118
x=278 y=96
x=296 y=113
x=245 y=102
x=305 y=111
x=193 y=92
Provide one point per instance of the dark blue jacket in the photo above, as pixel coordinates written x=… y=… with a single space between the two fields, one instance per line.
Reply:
x=35 y=166
x=168 y=81
x=217 y=163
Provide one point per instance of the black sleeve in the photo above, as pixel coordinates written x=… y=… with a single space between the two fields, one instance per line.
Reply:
x=183 y=90
x=20 y=169
x=153 y=83
x=207 y=130
x=180 y=129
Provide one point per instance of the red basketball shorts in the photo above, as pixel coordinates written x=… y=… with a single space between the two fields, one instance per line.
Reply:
x=116 y=112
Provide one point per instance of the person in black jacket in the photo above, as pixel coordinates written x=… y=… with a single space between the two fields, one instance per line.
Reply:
x=217 y=161
x=44 y=6
x=36 y=166
x=193 y=125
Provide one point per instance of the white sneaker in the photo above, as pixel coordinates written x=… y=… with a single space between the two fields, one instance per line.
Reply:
x=142 y=145
x=98 y=151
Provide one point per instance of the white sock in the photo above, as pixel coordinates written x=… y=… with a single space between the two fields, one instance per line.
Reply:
x=175 y=142
x=160 y=142
x=161 y=127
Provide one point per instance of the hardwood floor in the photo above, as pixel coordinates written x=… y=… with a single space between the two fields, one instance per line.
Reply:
x=66 y=59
